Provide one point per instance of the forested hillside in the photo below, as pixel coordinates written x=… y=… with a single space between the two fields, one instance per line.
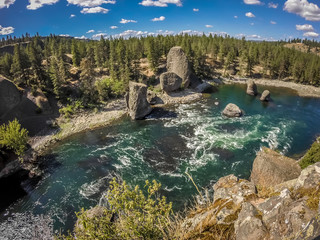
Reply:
x=94 y=71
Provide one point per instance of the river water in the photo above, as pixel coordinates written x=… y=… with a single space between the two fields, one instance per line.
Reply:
x=188 y=137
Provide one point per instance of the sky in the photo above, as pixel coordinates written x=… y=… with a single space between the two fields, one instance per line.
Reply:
x=253 y=19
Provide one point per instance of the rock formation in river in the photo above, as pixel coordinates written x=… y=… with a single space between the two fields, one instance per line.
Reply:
x=137 y=103
x=232 y=110
x=251 y=88
x=243 y=210
x=178 y=63
x=265 y=97
x=170 y=82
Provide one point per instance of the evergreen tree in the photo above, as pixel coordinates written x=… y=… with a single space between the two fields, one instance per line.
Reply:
x=75 y=54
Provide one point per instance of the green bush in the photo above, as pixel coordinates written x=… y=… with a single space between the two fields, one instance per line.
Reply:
x=131 y=214
x=312 y=156
x=109 y=87
x=71 y=109
x=13 y=137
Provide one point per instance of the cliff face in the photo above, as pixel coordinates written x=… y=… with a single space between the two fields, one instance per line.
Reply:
x=283 y=205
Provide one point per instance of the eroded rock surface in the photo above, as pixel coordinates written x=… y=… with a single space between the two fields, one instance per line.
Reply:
x=232 y=110
x=170 y=82
x=252 y=88
x=271 y=168
x=265 y=97
x=137 y=103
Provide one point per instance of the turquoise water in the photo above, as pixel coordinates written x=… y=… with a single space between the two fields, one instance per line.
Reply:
x=187 y=137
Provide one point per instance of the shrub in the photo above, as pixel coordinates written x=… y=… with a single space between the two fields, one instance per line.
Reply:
x=70 y=109
x=312 y=156
x=109 y=87
x=13 y=137
x=130 y=214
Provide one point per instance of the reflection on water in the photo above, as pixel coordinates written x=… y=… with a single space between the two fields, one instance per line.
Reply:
x=188 y=136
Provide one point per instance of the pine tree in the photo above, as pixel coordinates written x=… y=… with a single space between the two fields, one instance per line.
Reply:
x=19 y=65
x=55 y=77
x=87 y=79
x=75 y=54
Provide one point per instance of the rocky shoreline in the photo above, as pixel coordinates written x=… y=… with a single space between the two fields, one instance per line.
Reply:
x=301 y=90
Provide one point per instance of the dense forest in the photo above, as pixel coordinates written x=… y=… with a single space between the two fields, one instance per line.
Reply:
x=94 y=71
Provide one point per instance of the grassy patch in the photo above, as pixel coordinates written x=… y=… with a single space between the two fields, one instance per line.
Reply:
x=312 y=195
x=312 y=156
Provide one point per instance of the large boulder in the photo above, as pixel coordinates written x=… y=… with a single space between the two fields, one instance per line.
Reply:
x=271 y=168
x=170 y=81
x=251 y=88
x=178 y=63
x=232 y=110
x=137 y=103
x=9 y=95
x=265 y=97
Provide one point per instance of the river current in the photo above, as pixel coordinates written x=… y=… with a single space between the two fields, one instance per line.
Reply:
x=191 y=137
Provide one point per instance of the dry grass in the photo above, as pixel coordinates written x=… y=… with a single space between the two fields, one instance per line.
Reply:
x=312 y=195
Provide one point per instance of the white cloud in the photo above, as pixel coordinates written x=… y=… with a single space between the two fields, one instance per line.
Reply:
x=165 y=33
x=6 y=30
x=124 y=21
x=250 y=15
x=90 y=3
x=196 y=9
x=64 y=35
x=35 y=4
x=273 y=22
x=209 y=26
x=254 y=36
x=311 y=34
x=160 y=3
x=305 y=27
x=82 y=37
x=72 y=16
x=235 y=17
x=303 y=8
x=91 y=31
x=99 y=35
x=6 y=3
x=114 y=27
x=273 y=5
x=252 y=2
x=95 y=10
x=133 y=33
x=162 y=18
x=191 y=32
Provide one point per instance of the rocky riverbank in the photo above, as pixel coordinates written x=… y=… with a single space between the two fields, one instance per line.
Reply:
x=280 y=201
x=301 y=90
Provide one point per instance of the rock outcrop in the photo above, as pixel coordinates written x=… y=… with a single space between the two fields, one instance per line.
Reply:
x=137 y=103
x=9 y=95
x=178 y=63
x=251 y=88
x=232 y=110
x=249 y=224
x=240 y=211
x=230 y=193
x=170 y=82
x=265 y=97
x=271 y=168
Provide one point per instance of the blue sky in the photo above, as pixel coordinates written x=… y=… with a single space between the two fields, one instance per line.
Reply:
x=255 y=19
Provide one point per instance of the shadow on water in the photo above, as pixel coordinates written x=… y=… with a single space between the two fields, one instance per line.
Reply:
x=165 y=154
x=158 y=113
